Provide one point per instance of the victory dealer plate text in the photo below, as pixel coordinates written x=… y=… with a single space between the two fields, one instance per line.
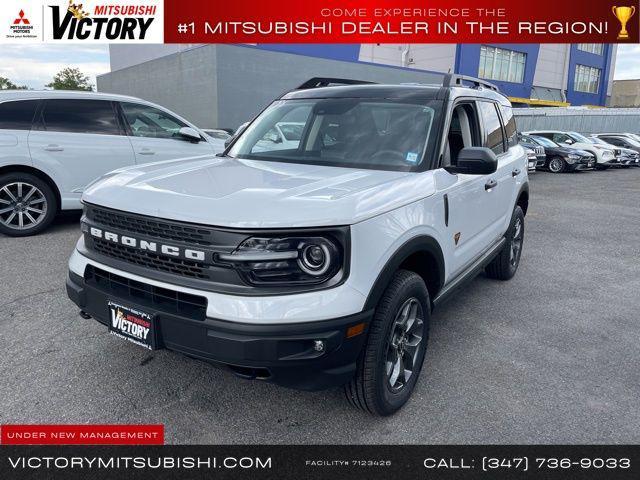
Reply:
x=131 y=324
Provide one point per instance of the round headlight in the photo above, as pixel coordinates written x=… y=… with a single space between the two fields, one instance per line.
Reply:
x=315 y=259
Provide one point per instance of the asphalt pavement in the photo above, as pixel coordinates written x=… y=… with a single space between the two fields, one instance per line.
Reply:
x=552 y=356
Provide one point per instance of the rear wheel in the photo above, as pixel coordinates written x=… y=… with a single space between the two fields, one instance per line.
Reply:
x=557 y=165
x=392 y=358
x=505 y=264
x=27 y=204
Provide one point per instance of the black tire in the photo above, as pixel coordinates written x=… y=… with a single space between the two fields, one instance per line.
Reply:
x=371 y=388
x=38 y=208
x=557 y=165
x=504 y=265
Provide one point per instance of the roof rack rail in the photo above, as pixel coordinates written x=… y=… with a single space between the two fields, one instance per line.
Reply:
x=317 y=82
x=455 y=80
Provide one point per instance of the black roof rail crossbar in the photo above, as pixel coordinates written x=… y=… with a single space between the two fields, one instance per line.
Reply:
x=455 y=80
x=317 y=82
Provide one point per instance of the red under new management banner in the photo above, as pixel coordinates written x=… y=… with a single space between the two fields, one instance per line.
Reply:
x=82 y=435
x=401 y=21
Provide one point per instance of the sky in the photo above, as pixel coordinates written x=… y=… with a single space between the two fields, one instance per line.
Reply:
x=35 y=65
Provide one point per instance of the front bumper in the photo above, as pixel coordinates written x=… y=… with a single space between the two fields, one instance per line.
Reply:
x=581 y=164
x=629 y=161
x=280 y=353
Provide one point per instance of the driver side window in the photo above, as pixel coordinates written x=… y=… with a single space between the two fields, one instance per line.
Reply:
x=463 y=132
x=150 y=122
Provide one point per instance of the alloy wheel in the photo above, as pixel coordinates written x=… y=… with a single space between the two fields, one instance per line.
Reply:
x=22 y=206
x=555 y=165
x=403 y=344
x=516 y=243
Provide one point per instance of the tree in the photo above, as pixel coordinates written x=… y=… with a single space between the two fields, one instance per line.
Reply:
x=6 y=84
x=70 y=79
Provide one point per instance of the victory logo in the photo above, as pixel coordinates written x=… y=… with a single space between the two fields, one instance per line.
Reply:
x=109 y=22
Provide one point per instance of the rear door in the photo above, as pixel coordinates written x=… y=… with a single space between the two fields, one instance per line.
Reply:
x=77 y=141
x=154 y=134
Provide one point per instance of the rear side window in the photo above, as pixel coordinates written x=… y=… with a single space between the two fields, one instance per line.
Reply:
x=493 y=127
x=509 y=125
x=17 y=115
x=80 y=116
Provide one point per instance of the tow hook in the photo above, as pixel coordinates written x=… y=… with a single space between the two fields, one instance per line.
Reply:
x=84 y=315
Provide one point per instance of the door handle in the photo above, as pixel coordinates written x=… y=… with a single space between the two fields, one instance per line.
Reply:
x=515 y=173
x=146 y=151
x=490 y=184
x=53 y=148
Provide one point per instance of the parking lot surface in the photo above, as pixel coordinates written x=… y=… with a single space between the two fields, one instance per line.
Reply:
x=551 y=356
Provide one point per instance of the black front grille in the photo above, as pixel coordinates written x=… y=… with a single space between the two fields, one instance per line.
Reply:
x=148 y=226
x=177 y=266
x=159 y=299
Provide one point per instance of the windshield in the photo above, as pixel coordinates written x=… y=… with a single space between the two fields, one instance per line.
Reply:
x=579 y=138
x=598 y=141
x=635 y=139
x=545 y=142
x=344 y=132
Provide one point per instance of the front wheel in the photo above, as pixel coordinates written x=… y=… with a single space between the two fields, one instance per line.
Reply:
x=557 y=165
x=505 y=264
x=27 y=204
x=391 y=360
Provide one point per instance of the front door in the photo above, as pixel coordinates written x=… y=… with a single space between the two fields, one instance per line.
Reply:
x=468 y=196
x=155 y=135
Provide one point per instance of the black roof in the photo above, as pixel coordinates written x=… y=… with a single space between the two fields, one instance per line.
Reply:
x=397 y=92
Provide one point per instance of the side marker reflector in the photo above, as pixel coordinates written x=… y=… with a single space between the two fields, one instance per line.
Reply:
x=355 y=330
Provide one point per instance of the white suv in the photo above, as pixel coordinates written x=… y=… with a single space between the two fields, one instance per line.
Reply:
x=54 y=143
x=318 y=263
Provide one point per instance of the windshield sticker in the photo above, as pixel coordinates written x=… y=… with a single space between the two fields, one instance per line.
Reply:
x=412 y=157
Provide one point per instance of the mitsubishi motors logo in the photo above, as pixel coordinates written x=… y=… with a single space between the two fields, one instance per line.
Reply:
x=21 y=19
x=21 y=27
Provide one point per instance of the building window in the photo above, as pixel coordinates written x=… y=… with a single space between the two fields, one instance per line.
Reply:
x=596 y=48
x=501 y=64
x=587 y=79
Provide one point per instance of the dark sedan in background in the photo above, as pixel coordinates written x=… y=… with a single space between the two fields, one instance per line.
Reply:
x=559 y=159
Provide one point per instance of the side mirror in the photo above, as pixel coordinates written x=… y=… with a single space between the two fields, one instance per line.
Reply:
x=190 y=134
x=568 y=141
x=475 y=161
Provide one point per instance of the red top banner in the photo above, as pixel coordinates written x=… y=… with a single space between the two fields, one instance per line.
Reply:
x=401 y=21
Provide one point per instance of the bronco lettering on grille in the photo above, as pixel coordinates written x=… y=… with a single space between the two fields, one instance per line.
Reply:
x=127 y=241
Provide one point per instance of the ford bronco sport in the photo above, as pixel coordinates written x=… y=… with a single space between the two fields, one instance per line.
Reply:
x=314 y=261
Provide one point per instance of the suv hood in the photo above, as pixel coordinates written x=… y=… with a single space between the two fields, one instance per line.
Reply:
x=224 y=191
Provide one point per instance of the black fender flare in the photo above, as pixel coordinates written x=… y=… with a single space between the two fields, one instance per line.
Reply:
x=524 y=189
x=422 y=243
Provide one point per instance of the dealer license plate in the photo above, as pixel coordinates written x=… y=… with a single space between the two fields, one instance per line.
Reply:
x=132 y=324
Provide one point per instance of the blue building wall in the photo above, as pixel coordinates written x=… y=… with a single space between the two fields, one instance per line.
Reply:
x=603 y=62
x=468 y=62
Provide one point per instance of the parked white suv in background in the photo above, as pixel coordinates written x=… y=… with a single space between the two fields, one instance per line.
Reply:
x=605 y=156
x=54 y=143
x=316 y=264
